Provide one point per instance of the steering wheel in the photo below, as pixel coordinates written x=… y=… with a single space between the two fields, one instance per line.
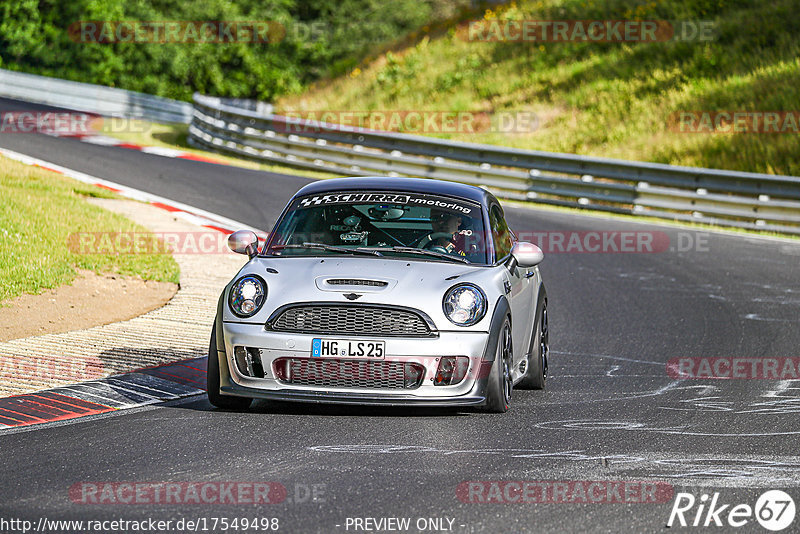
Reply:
x=429 y=241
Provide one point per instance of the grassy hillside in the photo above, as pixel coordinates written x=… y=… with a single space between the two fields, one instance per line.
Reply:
x=604 y=99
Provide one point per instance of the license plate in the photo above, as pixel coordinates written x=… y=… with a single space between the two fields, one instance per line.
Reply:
x=347 y=348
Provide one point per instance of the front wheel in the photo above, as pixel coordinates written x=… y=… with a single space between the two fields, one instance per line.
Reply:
x=500 y=383
x=212 y=381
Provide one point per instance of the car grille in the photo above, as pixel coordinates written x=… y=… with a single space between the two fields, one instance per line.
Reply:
x=354 y=374
x=356 y=320
x=356 y=282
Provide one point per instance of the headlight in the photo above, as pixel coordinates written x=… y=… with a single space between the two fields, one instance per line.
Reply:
x=247 y=296
x=464 y=305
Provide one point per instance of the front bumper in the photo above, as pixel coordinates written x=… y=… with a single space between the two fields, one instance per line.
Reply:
x=424 y=351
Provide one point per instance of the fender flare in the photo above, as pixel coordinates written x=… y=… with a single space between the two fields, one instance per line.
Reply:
x=222 y=357
x=541 y=297
x=501 y=310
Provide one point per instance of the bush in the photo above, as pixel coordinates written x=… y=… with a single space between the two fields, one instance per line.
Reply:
x=322 y=38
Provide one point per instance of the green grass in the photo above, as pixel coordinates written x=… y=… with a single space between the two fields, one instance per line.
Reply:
x=38 y=211
x=601 y=99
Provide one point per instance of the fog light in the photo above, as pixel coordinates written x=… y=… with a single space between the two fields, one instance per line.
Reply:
x=248 y=361
x=282 y=368
x=254 y=362
x=451 y=370
x=412 y=375
x=240 y=355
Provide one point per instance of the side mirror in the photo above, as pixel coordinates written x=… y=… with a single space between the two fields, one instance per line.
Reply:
x=244 y=242
x=526 y=255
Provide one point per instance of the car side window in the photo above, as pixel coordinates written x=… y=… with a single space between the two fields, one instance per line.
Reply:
x=501 y=234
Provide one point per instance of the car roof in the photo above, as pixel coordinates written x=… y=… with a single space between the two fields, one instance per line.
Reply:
x=409 y=185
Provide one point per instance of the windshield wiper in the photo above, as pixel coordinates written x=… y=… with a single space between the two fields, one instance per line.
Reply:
x=423 y=252
x=331 y=248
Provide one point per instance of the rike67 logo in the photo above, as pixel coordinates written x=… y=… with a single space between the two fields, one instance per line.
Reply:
x=774 y=510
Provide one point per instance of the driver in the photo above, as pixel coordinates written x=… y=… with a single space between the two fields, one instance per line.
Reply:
x=445 y=224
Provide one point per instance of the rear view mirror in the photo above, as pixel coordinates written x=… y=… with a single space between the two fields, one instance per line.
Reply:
x=386 y=213
x=244 y=242
x=527 y=254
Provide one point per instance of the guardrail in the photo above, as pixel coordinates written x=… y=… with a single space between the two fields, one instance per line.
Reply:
x=248 y=128
x=91 y=98
x=725 y=198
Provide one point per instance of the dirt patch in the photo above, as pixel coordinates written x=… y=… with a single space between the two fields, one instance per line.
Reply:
x=91 y=300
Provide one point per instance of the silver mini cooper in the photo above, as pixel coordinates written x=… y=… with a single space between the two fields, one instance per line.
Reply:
x=382 y=291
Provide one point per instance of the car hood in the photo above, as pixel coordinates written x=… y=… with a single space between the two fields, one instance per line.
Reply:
x=406 y=282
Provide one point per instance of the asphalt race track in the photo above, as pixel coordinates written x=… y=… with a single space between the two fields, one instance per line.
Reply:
x=611 y=411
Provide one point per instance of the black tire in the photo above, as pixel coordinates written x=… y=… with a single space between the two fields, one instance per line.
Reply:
x=536 y=373
x=225 y=402
x=500 y=384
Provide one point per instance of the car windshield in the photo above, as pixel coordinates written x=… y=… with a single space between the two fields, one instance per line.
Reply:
x=382 y=224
